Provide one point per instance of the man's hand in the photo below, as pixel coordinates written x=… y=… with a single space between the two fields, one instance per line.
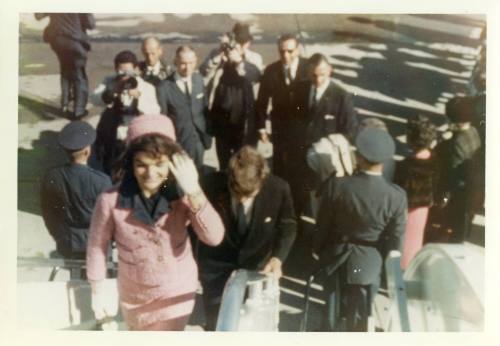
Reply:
x=264 y=137
x=235 y=56
x=135 y=93
x=273 y=267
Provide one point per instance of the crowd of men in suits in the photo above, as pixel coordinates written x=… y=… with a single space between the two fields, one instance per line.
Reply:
x=293 y=104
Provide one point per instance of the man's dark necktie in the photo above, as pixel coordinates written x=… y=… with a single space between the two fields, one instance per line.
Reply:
x=241 y=221
x=186 y=90
x=314 y=102
x=289 y=75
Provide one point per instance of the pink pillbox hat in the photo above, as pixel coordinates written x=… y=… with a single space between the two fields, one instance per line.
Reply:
x=148 y=124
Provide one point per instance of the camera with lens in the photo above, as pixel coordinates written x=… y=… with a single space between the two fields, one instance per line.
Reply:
x=126 y=81
x=228 y=45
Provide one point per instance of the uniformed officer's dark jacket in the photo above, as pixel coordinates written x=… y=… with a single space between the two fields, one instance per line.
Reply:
x=359 y=215
x=68 y=196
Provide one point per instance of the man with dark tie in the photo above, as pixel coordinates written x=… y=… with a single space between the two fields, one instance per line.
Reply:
x=321 y=108
x=182 y=98
x=257 y=210
x=277 y=86
x=153 y=69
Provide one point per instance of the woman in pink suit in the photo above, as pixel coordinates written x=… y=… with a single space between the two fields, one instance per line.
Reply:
x=417 y=174
x=147 y=215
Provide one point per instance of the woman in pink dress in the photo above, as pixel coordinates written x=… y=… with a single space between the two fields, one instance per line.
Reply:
x=147 y=214
x=417 y=175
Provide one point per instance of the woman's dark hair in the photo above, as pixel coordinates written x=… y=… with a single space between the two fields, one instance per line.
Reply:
x=246 y=172
x=420 y=133
x=154 y=144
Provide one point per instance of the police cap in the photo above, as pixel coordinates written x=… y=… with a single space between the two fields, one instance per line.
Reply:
x=375 y=145
x=76 y=135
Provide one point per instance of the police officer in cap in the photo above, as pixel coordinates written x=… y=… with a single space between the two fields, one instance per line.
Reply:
x=361 y=218
x=69 y=192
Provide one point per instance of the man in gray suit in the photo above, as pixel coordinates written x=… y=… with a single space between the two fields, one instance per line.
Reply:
x=182 y=98
x=361 y=217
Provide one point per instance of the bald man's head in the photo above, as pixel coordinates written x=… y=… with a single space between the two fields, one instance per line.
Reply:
x=151 y=48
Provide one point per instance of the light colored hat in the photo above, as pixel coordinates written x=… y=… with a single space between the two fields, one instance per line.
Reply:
x=149 y=124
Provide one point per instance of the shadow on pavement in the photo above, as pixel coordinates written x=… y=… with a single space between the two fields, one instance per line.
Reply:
x=32 y=165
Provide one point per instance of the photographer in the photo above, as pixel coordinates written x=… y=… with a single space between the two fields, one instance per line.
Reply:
x=125 y=95
x=231 y=95
x=234 y=48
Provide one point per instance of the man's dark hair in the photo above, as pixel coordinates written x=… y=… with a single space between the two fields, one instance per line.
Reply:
x=288 y=36
x=316 y=59
x=247 y=171
x=420 y=133
x=125 y=56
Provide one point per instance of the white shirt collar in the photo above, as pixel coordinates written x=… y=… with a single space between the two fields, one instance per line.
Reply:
x=179 y=80
x=372 y=173
x=319 y=91
x=247 y=207
x=293 y=67
x=154 y=69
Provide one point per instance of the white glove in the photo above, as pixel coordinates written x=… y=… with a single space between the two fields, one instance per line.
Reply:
x=185 y=173
x=98 y=305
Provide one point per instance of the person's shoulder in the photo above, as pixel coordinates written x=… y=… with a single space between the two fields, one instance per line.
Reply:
x=54 y=172
x=272 y=67
x=337 y=88
x=396 y=191
x=276 y=182
x=101 y=176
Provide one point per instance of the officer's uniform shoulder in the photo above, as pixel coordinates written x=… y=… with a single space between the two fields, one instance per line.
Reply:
x=396 y=189
x=99 y=174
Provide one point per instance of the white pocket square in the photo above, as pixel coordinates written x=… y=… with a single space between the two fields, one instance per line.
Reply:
x=267 y=219
x=329 y=117
x=199 y=96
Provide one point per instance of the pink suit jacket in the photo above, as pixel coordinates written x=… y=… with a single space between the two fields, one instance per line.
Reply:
x=157 y=255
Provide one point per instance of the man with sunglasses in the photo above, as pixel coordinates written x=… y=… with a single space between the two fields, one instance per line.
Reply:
x=277 y=84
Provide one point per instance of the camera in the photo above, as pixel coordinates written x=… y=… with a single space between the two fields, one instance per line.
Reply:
x=126 y=81
x=228 y=45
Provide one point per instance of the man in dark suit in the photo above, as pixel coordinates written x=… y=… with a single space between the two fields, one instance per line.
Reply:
x=69 y=193
x=182 y=98
x=277 y=84
x=359 y=216
x=66 y=34
x=321 y=108
x=258 y=214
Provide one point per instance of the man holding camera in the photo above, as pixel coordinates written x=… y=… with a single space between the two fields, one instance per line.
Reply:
x=232 y=76
x=234 y=48
x=124 y=95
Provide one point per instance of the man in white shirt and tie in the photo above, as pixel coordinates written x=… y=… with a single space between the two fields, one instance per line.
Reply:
x=183 y=99
x=257 y=210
